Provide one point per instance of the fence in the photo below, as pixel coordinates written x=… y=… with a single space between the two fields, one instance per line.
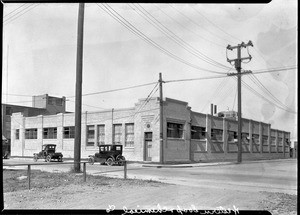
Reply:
x=83 y=162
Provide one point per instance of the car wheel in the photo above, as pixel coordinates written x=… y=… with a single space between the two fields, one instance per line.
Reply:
x=121 y=160
x=35 y=158
x=91 y=160
x=48 y=158
x=109 y=161
x=60 y=159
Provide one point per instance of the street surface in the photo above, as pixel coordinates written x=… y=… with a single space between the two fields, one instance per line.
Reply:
x=256 y=185
x=270 y=175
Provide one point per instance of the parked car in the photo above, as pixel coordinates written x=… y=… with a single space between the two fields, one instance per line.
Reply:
x=5 y=148
x=108 y=154
x=48 y=153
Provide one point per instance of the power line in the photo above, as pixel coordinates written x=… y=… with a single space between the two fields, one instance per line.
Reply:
x=215 y=24
x=195 y=23
x=10 y=20
x=171 y=35
x=14 y=10
x=256 y=81
x=115 y=15
x=114 y=90
x=263 y=97
x=183 y=26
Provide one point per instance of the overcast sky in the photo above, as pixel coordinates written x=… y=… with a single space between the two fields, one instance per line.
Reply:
x=179 y=40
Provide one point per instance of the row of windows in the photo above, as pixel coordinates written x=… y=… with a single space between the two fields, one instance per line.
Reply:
x=175 y=130
x=69 y=133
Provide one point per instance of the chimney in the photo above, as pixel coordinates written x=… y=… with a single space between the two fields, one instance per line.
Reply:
x=212 y=109
x=215 y=109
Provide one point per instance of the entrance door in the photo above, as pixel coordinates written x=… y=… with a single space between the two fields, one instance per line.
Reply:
x=148 y=146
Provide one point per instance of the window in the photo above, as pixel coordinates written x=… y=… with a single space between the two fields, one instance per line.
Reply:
x=101 y=134
x=8 y=111
x=90 y=133
x=255 y=138
x=129 y=135
x=117 y=133
x=58 y=101
x=17 y=134
x=232 y=136
x=265 y=139
x=217 y=134
x=198 y=133
x=69 y=132
x=50 y=133
x=31 y=133
x=174 y=130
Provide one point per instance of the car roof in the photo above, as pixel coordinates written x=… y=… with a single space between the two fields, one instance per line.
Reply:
x=111 y=145
x=49 y=145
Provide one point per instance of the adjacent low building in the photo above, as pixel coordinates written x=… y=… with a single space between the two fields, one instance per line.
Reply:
x=188 y=136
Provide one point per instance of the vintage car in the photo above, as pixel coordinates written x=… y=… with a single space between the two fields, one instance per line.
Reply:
x=48 y=153
x=108 y=154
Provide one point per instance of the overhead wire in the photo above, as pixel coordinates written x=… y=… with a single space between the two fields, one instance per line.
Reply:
x=14 y=17
x=195 y=23
x=183 y=26
x=214 y=23
x=263 y=97
x=256 y=81
x=171 y=35
x=115 y=15
x=14 y=10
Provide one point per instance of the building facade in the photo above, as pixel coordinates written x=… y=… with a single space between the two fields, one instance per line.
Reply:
x=188 y=136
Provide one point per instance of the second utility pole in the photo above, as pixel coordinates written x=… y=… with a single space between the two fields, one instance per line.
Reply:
x=161 y=129
x=238 y=68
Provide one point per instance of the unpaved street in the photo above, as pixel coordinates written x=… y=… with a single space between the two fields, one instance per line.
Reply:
x=269 y=185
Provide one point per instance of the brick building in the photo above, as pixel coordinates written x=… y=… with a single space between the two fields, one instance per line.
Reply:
x=188 y=135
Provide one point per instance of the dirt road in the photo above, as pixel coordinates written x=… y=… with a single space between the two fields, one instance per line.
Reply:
x=151 y=195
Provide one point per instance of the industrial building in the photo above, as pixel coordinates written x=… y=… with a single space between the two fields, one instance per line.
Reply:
x=188 y=136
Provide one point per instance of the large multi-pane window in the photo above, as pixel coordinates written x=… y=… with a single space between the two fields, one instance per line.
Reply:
x=101 y=134
x=90 y=133
x=17 y=134
x=69 y=132
x=174 y=130
x=117 y=134
x=217 y=134
x=129 y=135
x=198 y=133
x=50 y=133
x=31 y=133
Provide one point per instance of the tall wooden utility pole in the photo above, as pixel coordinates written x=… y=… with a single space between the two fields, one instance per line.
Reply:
x=78 y=100
x=239 y=74
x=161 y=129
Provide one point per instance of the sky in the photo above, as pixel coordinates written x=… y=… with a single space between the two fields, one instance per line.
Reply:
x=126 y=45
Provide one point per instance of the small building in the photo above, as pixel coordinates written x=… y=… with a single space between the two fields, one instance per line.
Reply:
x=188 y=136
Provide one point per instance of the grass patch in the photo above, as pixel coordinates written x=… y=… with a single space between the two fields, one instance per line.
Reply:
x=44 y=180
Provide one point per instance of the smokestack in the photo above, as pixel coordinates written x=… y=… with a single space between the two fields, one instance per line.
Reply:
x=212 y=109
x=215 y=109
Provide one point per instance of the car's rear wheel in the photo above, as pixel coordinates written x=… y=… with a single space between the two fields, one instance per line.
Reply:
x=109 y=161
x=35 y=158
x=60 y=159
x=91 y=160
x=48 y=158
x=121 y=160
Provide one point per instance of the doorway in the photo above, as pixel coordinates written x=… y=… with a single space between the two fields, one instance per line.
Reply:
x=148 y=146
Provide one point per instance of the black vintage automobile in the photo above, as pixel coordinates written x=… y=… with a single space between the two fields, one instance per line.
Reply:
x=109 y=155
x=48 y=153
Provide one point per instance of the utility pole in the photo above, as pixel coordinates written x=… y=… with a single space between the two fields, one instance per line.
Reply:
x=239 y=74
x=161 y=136
x=78 y=99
